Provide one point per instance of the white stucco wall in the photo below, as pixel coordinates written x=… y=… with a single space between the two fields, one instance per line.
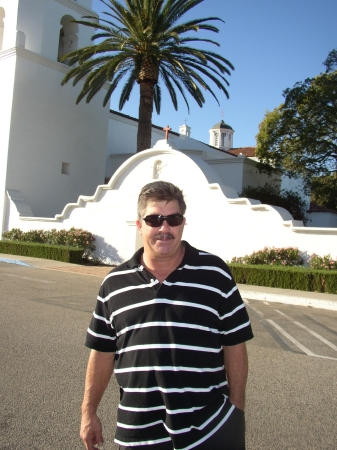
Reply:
x=42 y=127
x=122 y=141
x=252 y=177
x=39 y=20
x=230 y=173
x=10 y=22
x=296 y=185
x=322 y=219
x=48 y=129
x=237 y=226
x=239 y=172
x=123 y=134
x=7 y=70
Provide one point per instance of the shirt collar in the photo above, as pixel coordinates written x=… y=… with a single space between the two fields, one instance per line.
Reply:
x=190 y=253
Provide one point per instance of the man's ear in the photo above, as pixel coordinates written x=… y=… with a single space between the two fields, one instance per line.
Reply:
x=139 y=225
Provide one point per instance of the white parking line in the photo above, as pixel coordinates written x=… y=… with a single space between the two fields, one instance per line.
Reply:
x=32 y=279
x=292 y=339
x=318 y=336
x=298 y=344
x=256 y=310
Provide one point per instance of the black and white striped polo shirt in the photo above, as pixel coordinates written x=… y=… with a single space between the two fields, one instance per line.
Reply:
x=168 y=342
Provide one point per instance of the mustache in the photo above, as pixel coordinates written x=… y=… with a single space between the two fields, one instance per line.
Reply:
x=161 y=236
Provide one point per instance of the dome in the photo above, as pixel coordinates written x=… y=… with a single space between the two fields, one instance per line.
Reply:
x=222 y=125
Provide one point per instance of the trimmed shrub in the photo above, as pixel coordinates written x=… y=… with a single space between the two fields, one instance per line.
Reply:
x=298 y=278
x=46 y=251
x=75 y=238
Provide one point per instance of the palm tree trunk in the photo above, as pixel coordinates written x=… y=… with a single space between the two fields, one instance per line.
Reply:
x=145 y=115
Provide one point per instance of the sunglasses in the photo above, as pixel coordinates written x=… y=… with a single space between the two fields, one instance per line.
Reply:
x=157 y=220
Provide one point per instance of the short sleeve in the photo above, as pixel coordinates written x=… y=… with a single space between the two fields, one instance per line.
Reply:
x=101 y=335
x=235 y=326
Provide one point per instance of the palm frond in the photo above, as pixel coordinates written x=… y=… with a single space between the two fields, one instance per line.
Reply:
x=157 y=98
x=146 y=40
x=127 y=89
x=113 y=86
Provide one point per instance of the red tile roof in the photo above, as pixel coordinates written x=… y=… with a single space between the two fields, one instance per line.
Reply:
x=246 y=151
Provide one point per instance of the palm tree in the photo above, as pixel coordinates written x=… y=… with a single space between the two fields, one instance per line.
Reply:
x=145 y=42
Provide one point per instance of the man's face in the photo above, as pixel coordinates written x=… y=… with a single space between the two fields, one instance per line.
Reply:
x=164 y=241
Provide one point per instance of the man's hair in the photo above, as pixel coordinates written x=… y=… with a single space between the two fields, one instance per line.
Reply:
x=159 y=191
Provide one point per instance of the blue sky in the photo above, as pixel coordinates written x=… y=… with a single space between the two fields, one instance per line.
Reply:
x=272 y=45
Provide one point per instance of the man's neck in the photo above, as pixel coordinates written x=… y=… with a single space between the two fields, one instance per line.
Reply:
x=161 y=267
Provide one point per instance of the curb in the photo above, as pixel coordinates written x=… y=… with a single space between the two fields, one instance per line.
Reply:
x=248 y=292
x=309 y=299
x=14 y=261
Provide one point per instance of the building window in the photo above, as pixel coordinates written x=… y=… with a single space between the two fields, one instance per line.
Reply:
x=216 y=139
x=65 y=168
x=68 y=38
x=223 y=138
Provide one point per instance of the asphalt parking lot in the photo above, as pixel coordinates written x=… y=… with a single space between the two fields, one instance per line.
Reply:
x=291 y=393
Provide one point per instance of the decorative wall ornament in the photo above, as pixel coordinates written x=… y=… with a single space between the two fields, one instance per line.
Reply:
x=157 y=169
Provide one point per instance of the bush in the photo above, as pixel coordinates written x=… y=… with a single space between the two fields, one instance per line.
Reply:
x=324 y=191
x=46 y=251
x=75 y=237
x=322 y=262
x=272 y=195
x=289 y=256
x=298 y=278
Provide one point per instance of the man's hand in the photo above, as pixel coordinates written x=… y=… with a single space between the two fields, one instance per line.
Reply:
x=91 y=431
x=99 y=371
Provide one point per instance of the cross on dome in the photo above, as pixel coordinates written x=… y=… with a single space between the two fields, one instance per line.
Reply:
x=167 y=129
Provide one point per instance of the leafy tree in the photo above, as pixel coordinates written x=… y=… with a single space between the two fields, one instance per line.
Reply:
x=271 y=195
x=324 y=191
x=145 y=42
x=299 y=137
x=331 y=62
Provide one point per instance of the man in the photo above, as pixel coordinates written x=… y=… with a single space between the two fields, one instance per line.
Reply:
x=172 y=325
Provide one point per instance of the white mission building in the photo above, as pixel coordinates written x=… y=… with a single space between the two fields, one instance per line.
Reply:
x=57 y=157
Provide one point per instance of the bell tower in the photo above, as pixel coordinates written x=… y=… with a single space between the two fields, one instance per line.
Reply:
x=185 y=130
x=221 y=136
x=41 y=23
x=51 y=150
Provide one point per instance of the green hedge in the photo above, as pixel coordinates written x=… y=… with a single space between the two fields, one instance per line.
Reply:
x=298 y=278
x=46 y=251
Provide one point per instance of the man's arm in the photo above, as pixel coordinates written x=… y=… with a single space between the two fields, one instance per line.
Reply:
x=99 y=371
x=236 y=366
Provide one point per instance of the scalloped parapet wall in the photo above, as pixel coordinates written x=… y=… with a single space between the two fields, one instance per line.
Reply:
x=217 y=219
